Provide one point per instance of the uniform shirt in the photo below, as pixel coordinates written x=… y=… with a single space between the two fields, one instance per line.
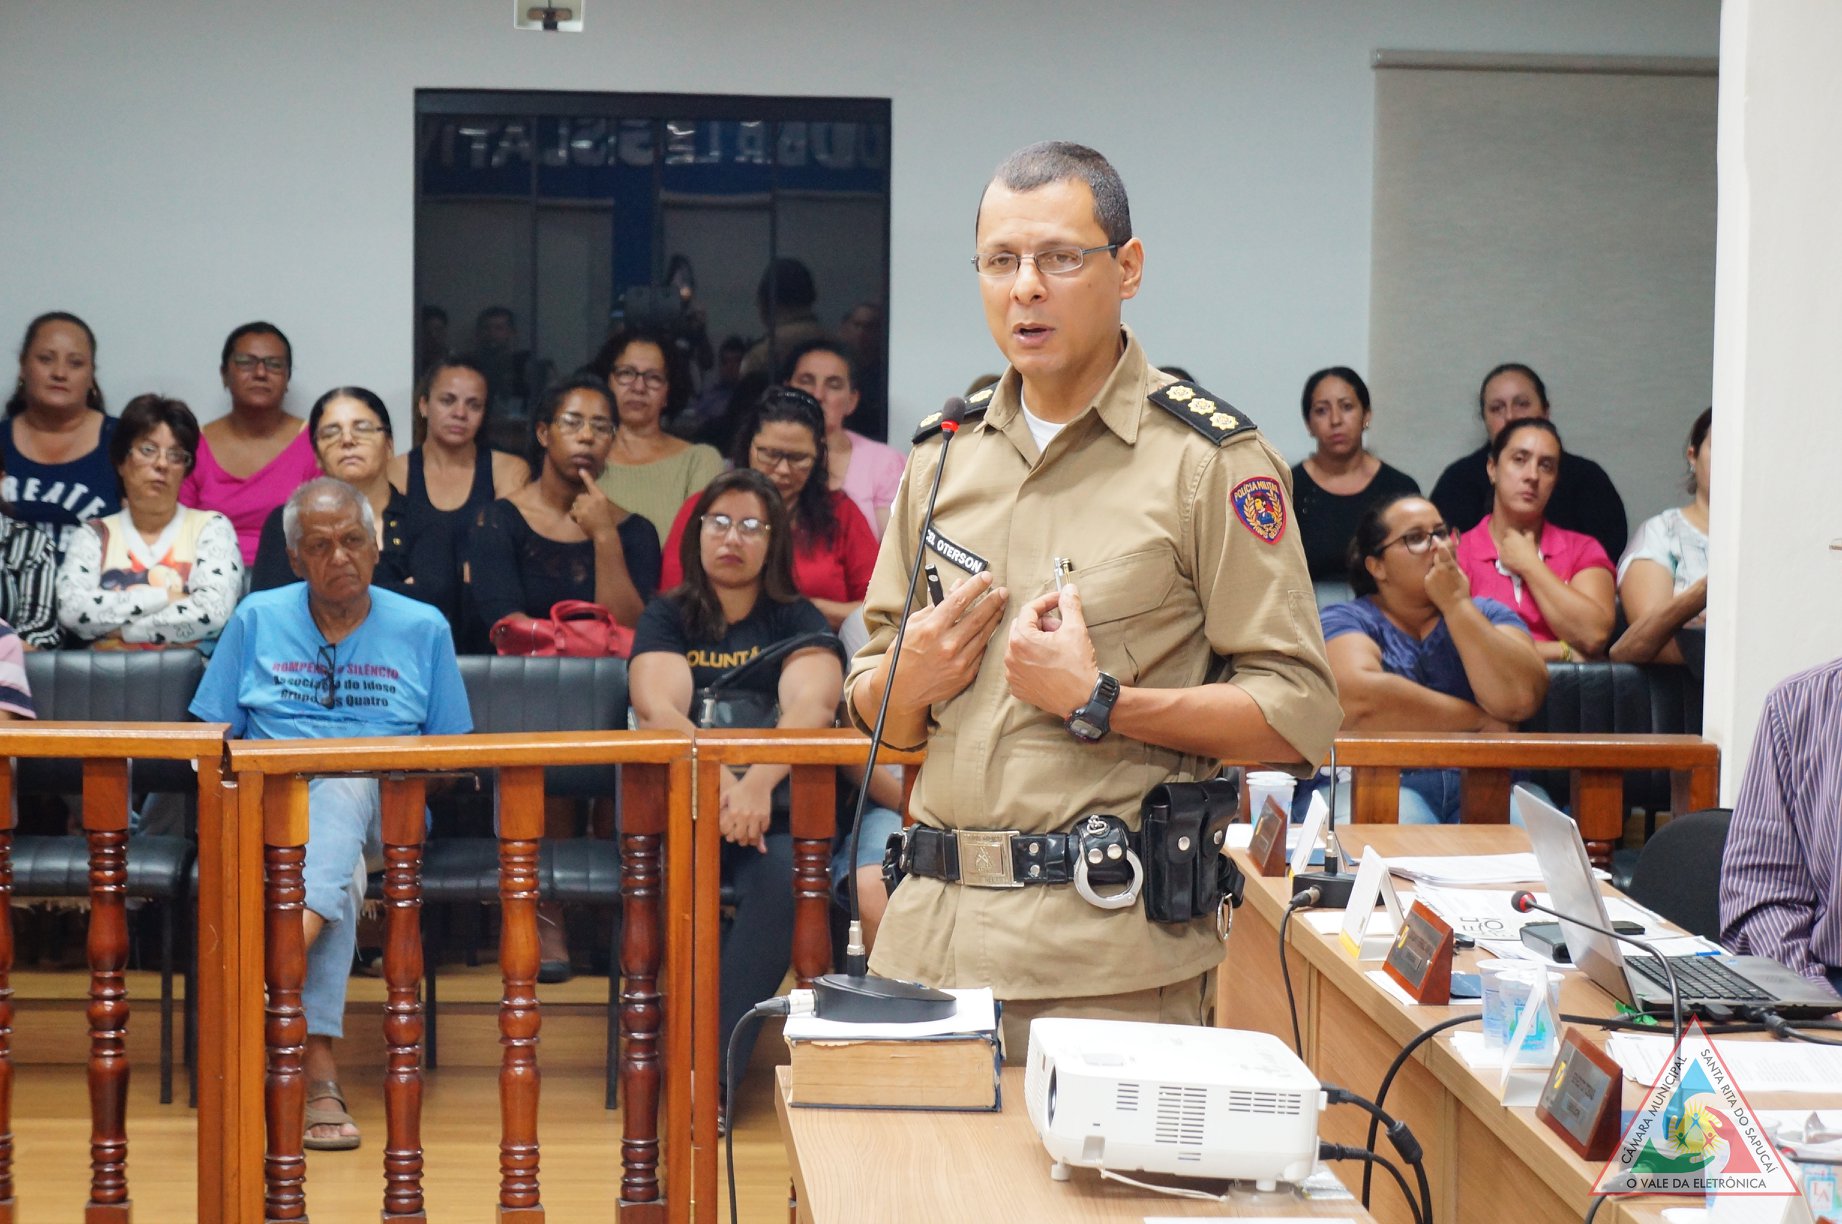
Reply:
x=1565 y=552
x=1178 y=591
x=395 y=674
x=1781 y=876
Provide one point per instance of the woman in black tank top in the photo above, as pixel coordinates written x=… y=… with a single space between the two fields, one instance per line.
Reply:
x=450 y=406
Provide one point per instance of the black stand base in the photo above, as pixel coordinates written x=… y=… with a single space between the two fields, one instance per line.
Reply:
x=1333 y=890
x=864 y=999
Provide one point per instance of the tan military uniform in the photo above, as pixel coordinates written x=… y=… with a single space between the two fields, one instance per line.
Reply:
x=1178 y=589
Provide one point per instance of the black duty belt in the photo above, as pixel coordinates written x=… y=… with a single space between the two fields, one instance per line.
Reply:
x=998 y=858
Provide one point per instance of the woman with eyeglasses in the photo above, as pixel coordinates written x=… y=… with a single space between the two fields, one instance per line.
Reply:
x=1558 y=581
x=254 y=456
x=560 y=537
x=451 y=475
x=649 y=472
x=863 y=469
x=351 y=433
x=1416 y=651
x=736 y=598
x=1341 y=478
x=834 y=548
x=55 y=446
x=156 y=573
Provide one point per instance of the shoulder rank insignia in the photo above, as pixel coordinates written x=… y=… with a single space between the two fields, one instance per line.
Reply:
x=976 y=403
x=1214 y=419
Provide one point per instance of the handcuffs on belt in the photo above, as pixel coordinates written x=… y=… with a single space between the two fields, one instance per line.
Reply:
x=1174 y=860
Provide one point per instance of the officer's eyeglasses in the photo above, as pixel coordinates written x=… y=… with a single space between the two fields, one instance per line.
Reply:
x=1417 y=540
x=1059 y=261
x=716 y=526
x=249 y=361
x=626 y=376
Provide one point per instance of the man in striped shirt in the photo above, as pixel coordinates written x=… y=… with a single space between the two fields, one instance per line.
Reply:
x=1781 y=882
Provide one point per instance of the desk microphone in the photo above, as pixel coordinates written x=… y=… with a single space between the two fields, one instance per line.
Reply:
x=1333 y=888
x=856 y=996
x=1524 y=901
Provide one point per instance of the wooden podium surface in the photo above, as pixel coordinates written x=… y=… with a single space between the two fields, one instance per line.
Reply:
x=852 y=1165
x=1485 y=1161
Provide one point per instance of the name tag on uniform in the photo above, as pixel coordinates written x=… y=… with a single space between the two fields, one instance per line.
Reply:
x=947 y=550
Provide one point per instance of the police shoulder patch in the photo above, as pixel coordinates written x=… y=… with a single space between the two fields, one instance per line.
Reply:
x=976 y=403
x=1215 y=419
x=1260 y=504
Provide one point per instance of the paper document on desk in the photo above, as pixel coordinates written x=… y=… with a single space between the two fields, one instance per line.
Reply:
x=1486 y=913
x=1761 y=1066
x=1466 y=868
x=977 y=1013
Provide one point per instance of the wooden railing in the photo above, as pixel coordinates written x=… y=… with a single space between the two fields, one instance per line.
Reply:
x=270 y=782
x=1597 y=764
x=104 y=751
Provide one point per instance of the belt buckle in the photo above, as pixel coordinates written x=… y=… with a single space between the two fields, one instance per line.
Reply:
x=985 y=858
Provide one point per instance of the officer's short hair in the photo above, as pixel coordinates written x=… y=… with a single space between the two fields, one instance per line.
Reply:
x=1051 y=161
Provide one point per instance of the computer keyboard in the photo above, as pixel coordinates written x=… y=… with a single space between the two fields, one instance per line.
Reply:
x=1701 y=977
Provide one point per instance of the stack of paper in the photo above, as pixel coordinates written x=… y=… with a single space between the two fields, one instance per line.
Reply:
x=1757 y=1066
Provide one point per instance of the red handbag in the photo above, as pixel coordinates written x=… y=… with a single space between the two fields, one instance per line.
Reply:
x=575 y=628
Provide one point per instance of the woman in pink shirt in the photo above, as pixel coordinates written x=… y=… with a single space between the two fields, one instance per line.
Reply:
x=1560 y=582
x=251 y=458
x=861 y=468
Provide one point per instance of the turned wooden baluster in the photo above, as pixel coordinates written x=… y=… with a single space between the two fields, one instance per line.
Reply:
x=105 y=820
x=643 y=807
x=403 y=824
x=6 y=991
x=284 y=837
x=815 y=820
x=521 y=824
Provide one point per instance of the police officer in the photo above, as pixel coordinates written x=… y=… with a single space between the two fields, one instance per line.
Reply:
x=1186 y=632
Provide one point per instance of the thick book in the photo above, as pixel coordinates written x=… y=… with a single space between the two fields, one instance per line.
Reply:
x=951 y=1064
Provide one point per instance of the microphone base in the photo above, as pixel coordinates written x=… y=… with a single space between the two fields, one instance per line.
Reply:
x=1333 y=890
x=861 y=998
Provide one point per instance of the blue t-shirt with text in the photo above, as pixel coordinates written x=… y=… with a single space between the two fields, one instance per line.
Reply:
x=273 y=672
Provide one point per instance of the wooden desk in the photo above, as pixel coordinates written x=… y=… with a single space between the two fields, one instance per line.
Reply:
x=856 y=1165
x=1480 y=1156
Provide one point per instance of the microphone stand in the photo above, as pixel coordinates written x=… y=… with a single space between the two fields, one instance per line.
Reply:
x=1333 y=887
x=855 y=995
x=1524 y=901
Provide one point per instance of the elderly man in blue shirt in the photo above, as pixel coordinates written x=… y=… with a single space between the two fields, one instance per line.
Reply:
x=332 y=656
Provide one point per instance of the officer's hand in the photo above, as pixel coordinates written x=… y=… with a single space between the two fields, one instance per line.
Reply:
x=1446 y=584
x=745 y=811
x=1052 y=669
x=945 y=643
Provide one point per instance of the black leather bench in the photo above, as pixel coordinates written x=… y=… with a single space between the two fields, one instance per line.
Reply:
x=1620 y=699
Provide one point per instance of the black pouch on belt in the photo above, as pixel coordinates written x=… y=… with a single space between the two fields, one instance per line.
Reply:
x=1183 y=826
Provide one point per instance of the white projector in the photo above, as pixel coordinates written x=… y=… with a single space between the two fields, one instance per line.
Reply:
x=1172 y=1098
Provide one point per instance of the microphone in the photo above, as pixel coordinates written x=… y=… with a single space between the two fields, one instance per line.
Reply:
x=1332 y=887
x=1524 y=901
x=855 y=995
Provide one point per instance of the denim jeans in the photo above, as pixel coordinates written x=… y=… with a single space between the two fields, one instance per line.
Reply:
x=1428 y=796
x=878 y=824
x=344 y=832
x=758 y=946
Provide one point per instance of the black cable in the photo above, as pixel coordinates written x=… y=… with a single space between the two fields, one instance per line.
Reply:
x=1303 y=900
x=1400 y=1137
x=1594 y=1210
x=769 y=1007
x=1785 y=1031
x=1340 y=1151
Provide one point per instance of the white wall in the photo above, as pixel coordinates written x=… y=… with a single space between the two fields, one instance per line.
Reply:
x=1775 y=587
x=169 y=168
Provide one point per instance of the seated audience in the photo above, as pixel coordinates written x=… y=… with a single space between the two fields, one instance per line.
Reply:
x=647 y=471
x=289 y=666
x=55 y=446
x=28 y=579
x=15 y=689
x=1417 y=652
x=251 y=458
x=155 y=573
x=865 y=470
x=834 y=549
x=1585 y=499
x=1663 y=576
x=1781 y=875
x=1559 y=582
x=451 y=475
x=704 y=417
x=559 y=537
x=1341 y=479
x=351 y=436
x=737 y=598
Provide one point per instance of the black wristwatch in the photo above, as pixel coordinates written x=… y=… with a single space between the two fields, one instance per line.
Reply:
x=1090 y=723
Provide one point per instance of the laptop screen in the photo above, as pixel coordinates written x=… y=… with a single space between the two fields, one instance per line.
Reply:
x=1572 y=889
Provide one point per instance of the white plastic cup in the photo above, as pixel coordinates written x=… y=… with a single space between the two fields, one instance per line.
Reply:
x=1265 y=783
x=1507 y=988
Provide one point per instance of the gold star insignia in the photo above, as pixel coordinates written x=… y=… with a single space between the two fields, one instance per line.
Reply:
x=1203 y=406
x=931 y=419
x=980 y=396
x=1222 y=420
x=1179 y=394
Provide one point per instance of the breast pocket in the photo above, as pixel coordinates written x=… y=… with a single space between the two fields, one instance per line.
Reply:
x=1123 y=599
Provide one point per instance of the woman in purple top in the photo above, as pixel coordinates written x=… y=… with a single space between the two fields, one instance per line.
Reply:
x=251 y=458
x=1416 y=652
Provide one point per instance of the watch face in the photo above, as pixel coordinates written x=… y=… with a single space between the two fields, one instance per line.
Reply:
x=1084 y=729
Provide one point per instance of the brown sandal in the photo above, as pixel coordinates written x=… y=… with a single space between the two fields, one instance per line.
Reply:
x=322 y=1116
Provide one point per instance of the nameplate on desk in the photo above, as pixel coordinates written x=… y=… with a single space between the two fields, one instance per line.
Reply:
x=1268 y=847
x=1583 y=1097
x=1421 y=960
x=1316 y=813
x=1360 y=936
